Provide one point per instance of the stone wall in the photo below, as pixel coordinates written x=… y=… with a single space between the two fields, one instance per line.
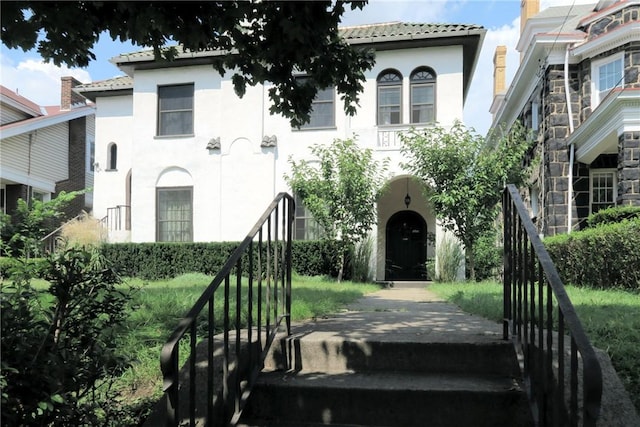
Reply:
x=629 y=169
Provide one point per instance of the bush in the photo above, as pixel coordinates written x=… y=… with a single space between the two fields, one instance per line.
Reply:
x=488 y=257
x=58 y=347
x=606 y=256
x=152 y=261
x=613 y=215
x=449 y=256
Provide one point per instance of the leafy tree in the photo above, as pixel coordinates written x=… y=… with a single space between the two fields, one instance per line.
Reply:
x=272 y=40
x=465 y=175
x=340 y=191
x=23 y=230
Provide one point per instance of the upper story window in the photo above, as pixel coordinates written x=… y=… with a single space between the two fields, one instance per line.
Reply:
x=322 y=108
x=389 y=98
x=175 y=110
x=607 y=74
x=423 y=95
x=603 y=189
x=91 y=161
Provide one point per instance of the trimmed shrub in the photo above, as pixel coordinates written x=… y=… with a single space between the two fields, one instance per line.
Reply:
x=151 y=261
x=613 y=215
x=602 y=257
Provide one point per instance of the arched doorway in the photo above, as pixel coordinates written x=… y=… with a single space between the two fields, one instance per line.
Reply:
x=406 y=247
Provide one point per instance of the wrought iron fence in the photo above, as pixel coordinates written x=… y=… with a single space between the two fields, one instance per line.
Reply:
x=118 y=218
x=562 y=374
x=224 y=356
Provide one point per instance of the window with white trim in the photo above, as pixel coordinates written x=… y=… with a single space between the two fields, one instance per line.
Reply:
x=91 y=156
x=423 y=95
x=322 y=113
x=604 y=189
x=389 y=98
x=606 y=75
x=112 y=157
x=175 y=110
x=174 y=214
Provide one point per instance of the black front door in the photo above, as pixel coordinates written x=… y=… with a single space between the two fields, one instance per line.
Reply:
x=406 y=247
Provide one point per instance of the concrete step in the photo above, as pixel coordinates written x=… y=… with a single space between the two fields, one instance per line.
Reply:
x=320 y=352
x=385 y=399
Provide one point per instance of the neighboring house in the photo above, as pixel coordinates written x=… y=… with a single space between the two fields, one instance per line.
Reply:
x=180 y=157
x=586 y=129
x=46 y=150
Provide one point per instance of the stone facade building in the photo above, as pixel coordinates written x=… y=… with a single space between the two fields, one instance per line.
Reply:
x=578 y=90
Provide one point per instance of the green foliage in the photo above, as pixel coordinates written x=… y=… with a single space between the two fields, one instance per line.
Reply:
x=488 y=256
x=153 y=261
x=613 y=215
x=603 y=257
x=59 y=348
x=465 y=177
x=449 y=257
x=361 y=260
x=22 y=232
x=276 y=41
x=340 y=191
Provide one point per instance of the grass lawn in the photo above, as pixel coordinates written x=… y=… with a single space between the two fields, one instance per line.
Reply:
x=611 y=319
x=158 y=306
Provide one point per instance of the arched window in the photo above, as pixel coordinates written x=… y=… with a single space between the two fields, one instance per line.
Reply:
x=112 y=156
x=423 y=95
x=389 y=97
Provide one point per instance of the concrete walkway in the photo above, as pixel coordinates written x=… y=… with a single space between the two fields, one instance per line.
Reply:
x=406 y=312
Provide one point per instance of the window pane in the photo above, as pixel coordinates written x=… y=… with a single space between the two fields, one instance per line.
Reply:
x=389 y=96
x=422 y=94
x=176 y=97
x=176 y=123
x=422 y=114
x=322 y=110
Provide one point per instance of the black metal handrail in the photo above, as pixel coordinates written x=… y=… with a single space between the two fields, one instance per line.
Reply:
x=535 y=301
x=266 y=253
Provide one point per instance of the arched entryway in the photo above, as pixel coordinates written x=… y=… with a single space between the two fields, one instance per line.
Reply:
x=406 y=247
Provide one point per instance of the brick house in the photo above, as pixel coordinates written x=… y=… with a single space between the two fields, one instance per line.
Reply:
x=578 y=89
x=46 y=150
x=180 y=157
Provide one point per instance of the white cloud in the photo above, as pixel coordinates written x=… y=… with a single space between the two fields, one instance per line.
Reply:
x=36 y=80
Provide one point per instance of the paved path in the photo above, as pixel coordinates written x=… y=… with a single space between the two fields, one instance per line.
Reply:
x=404 y=313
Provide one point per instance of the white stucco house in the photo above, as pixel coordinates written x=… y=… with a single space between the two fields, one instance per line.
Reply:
x=180 y=157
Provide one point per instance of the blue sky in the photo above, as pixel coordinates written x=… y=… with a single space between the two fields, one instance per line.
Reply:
x=40 y=82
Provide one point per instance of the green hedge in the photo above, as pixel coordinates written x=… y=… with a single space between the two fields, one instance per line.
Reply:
x=153 y=261
x=613 y=215
x=601 y=257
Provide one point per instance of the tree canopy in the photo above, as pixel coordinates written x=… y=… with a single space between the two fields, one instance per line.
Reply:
x=269 y=41
x=464 y=176
x=340 y=190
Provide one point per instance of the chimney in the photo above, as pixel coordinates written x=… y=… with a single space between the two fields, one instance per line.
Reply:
x=499 y=68
x=499 y=79
x=69 y=98
x=528 y=8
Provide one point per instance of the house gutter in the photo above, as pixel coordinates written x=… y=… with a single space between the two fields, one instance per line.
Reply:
x=571 y=146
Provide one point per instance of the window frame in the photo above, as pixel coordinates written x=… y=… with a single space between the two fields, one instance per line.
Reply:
x=332 y=90
x=415 y=83
x=596 y=92
x=397 y=85
x=190 y=221
x=112 y=157
x=160 y=112
x=614 y=188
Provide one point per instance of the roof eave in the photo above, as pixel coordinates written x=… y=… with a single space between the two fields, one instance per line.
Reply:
x=40 y=122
